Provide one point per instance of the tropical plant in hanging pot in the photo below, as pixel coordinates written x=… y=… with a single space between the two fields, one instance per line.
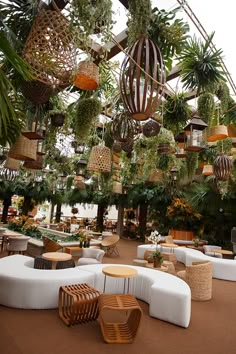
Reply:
x=200 y=66
x=57 y=117
x=86 y=112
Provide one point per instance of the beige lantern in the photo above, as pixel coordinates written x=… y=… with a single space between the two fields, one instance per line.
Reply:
x=100 y=159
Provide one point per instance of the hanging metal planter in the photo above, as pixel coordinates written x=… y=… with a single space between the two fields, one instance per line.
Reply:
x=122 y=127
x=141 y=71
x=222 y=167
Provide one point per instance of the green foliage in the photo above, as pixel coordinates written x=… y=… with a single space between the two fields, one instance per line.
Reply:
x=200 y=66
x=32 y=231
x=168 y=33
x=230 y=115
x=223 y=94
x=138 y=19
x=206 y=107
x=191 y=163
x=176 y=112
x=87 y=110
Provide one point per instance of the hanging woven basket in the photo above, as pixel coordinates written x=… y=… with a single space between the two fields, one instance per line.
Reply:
x=117 y=187
x=156 y=176
x=141 y=92
x=218 y=132
x=12 y=164
x=207 y=170
x=128 y=145
x=117 y=146
x=222 y=167
x=100 y=159
x=23 y=149
x=151 y=128
x=34 y=165
x=37 y=92
x=87 y=77
x=50 y=49
x=122 y=127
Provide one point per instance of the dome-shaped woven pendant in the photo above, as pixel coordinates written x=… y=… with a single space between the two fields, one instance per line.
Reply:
x=128 y=146
x=140 y=90
x=151 y=128
x=117 y=146
x=222 y=167
x=122 y=128
x=100 y=159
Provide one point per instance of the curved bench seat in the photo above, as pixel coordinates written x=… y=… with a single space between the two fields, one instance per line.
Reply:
x=224 y=269
x=169 y=297
x=22 y=286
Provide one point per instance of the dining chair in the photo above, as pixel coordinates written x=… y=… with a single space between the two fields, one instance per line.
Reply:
x=17 y=244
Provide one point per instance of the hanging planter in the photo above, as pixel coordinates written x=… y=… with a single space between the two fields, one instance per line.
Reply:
x=99 y=159
x=128 y=145
x=207 y=170
x=57 y=119
x=37 y=91
x=140 y=91
x=12 y=164
x=222 y=167
x=151 y=128
x=122 y=127
x=219 y=132
x=35 y=133
x=117 y=187
x=34 y=165
x=87 y=77
x=117 y=146
x=23 y=149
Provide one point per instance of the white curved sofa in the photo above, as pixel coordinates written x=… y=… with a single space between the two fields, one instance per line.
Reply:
x=22 y=286
x=224 y=269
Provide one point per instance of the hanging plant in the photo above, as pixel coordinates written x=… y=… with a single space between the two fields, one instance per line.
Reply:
x=206 y=107
x=138 y=19
x=176 y=112
x=200 y=66
x=191 y=163
x=87 y=111
x=168 y=33
x=222 y=93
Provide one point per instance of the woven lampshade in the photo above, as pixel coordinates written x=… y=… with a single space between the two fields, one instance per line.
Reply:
x=141 y=93
x=128 y=145
x=117 y=187
x=122 y=128
x=100 y=159
x=37 y=92
x=34 y=165
x=218 y=132
x=12 y=164
x=207 y=170
x=222 y=167
x=50 y=49
x=88 y=76
x=23 y=149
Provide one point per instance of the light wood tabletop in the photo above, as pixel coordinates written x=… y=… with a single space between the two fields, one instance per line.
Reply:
x=226 y=252
x=120 y=272
x=56 y=257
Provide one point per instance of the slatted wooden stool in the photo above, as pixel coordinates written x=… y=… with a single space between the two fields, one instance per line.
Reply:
x=119 y=317
x=78 y=303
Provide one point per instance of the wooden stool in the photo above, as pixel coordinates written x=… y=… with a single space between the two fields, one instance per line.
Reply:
x=120 y=317
x=78 y=303
x=170 y=266
x=140 y=262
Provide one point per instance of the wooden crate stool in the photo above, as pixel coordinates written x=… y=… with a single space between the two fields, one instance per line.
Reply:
x=78 y=303
x=119 y=317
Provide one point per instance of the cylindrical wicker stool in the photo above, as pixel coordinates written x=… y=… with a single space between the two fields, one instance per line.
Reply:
x=140 y=262
x=170 y=266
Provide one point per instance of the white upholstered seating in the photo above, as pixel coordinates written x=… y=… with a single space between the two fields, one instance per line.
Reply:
x=91 y=256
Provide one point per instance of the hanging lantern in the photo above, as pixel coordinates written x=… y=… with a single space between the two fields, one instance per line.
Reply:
x=207 y=170
x=222 y=167
x=219 y=132
x=100 y=159
x=194 y=134
x=87 y=77
x=122 y=127
x=140 y=91
x=117 y=188
x=151 y=128
x=181 y=140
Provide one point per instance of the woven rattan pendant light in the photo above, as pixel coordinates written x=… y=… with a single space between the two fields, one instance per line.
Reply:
x=122 y=127
x=23 y=149
x=219 y=132
x=141 y=71
x=99 y=159
x=50 y=49
x=222 y=167
x=87 y=77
